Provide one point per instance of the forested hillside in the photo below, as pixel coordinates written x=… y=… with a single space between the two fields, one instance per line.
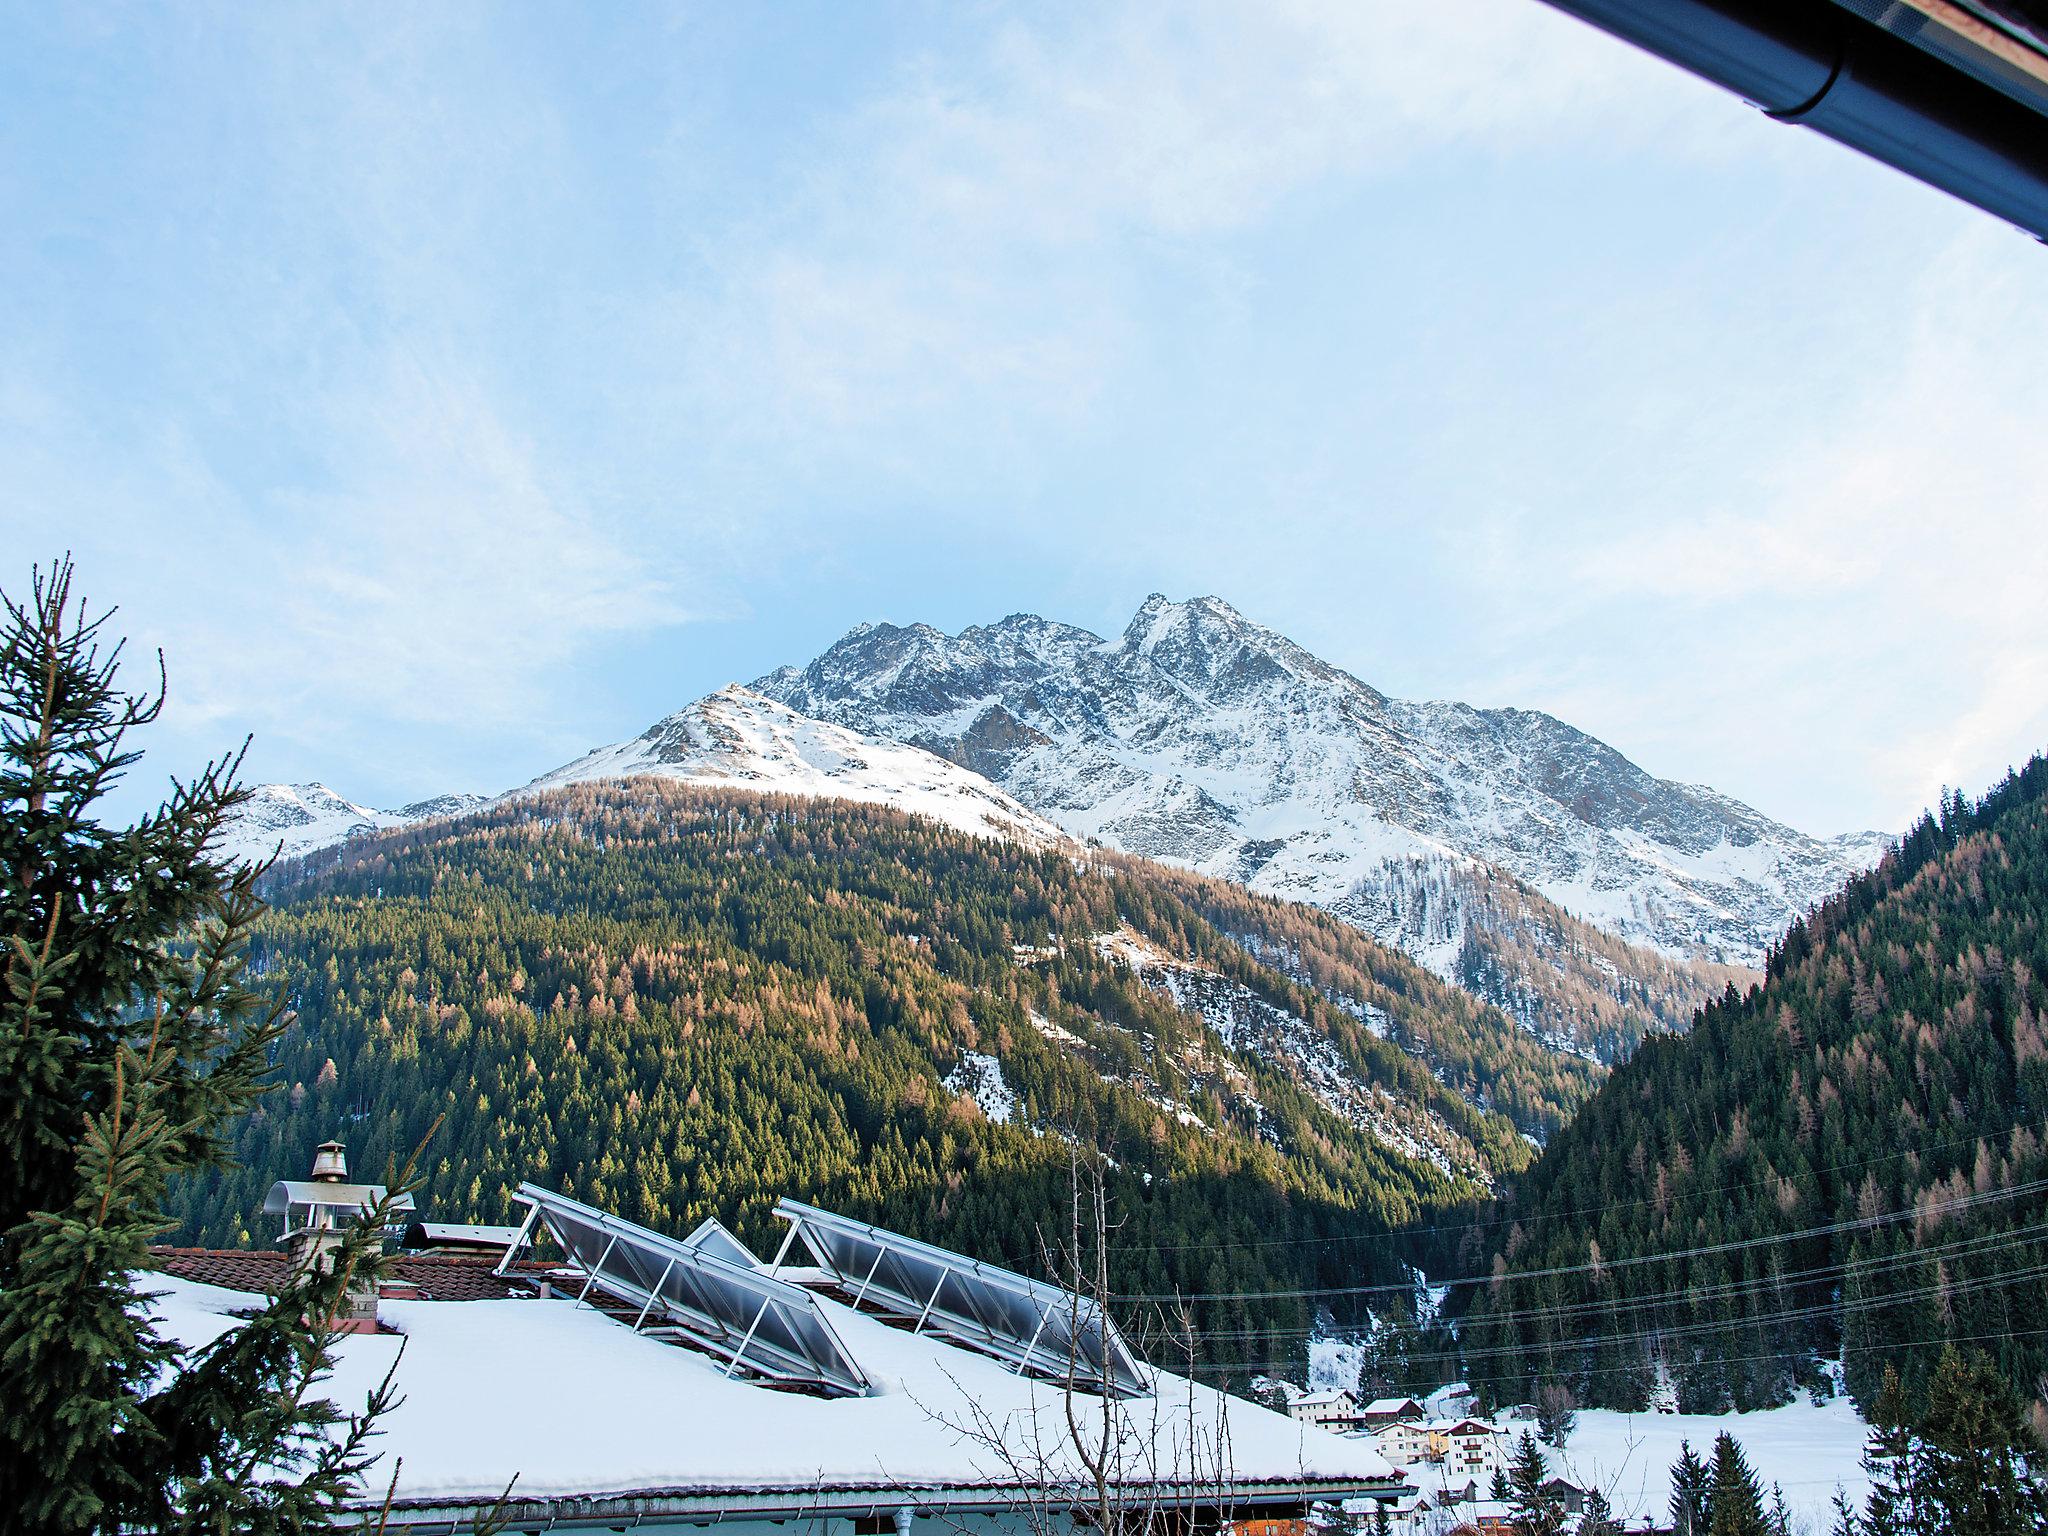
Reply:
x=676 y=1002
x=1852 y=1156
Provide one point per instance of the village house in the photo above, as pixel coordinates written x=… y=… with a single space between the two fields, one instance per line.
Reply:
x=1335 y=1410
x=1382 y=1411
x=1405 y=1442
x=1473 y=1448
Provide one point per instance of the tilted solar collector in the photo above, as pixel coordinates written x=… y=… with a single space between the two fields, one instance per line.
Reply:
x=767 y=1327
x=1033 y=1326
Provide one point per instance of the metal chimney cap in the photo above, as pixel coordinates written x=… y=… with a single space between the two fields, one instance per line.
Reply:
x=330 y=1163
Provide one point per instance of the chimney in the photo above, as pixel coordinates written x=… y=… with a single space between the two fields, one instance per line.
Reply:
x=330 y=1163
x=318 y=1213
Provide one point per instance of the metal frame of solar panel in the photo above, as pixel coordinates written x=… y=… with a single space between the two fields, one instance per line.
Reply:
x=759 y=1324
x=1030 y=1325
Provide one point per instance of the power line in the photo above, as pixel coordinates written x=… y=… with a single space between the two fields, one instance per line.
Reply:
x=1854 y=1224
x=1530 y=1218
x=1698 y=1295
x=2036 y=1268
x=1925 y=1342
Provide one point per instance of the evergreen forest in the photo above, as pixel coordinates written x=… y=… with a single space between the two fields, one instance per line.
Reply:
x=677 y=1003
x=1846 y=1162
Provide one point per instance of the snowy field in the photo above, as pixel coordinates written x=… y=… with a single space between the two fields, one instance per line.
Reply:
x=1809 y=1451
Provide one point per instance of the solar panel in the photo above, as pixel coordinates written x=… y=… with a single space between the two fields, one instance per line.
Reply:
x=1032 y=1326
x=712 y=1237
x=756 y=1323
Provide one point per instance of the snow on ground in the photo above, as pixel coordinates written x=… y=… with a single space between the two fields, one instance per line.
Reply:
x=981 y=1075
x=575 y=1402
x=1334 y=1364
x=1807 y=1449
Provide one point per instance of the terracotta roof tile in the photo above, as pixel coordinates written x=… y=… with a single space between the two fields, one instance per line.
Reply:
x=439 y=1277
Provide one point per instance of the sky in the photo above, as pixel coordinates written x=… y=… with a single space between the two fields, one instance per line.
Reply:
x=450 y=389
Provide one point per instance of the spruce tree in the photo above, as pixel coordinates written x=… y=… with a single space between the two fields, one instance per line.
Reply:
x=1598 y=1519
x=128 y=1037
x=1735 y=1501
x=1971 y=1445
x=1892 y=1508
x=1690 y=1486
x=1534 y=1512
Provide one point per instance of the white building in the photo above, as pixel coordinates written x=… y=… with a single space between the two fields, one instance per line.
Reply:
x=1335 y=1409
x=1406 y=1442
x=1473 y=1448
x=885 y=1386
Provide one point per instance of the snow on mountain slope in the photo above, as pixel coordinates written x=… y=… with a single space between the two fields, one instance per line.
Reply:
x=732 y=737
x=1206 y=740
x=1249 y=1025
x=289 y=820
x=736 y=737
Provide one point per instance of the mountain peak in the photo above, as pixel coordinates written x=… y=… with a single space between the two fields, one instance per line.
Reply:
x=1159 y=616
x=1202 y=737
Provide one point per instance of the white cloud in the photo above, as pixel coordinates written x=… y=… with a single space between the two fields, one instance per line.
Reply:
x=437 y=577
x=979 y=233
x=1894 y=555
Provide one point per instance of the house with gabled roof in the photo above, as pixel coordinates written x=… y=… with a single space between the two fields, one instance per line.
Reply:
x=859 y=1381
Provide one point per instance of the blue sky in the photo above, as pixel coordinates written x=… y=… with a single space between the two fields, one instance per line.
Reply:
x=450 y=389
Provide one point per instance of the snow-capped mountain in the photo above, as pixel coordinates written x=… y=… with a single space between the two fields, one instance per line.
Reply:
x=1204 y=739
x=738 y=738
x=733 y=737
x=289 y=820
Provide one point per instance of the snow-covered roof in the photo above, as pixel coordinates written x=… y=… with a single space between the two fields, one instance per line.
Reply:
x=1383 y=1405
x=1472 y=1427
x=582 y=1408
x=1323 y=1398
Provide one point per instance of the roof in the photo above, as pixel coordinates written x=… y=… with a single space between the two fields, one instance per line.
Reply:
x=431 y=1234
x=1392 y=1405
x=439 y=1277
x=1329 y=1395
x=289 y=1192
x=592 y=1415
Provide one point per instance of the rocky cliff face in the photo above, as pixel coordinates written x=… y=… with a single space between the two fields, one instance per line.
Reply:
x=1207 y=740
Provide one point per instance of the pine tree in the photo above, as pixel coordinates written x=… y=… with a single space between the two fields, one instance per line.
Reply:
x=1598 y=1519
x=1892 y=1508
x=1970 y=1451
x=127 y=1038
x=1690 y=1486
x=1534 y=1512
x=1735 y=1502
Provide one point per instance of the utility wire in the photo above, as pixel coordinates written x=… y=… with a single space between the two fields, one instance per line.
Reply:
x=1699 y=1295
x=1509 y=1277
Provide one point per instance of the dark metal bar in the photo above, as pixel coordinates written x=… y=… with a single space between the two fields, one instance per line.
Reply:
x=1916 y=91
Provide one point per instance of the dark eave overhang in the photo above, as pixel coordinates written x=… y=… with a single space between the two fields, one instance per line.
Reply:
x=1952 y=92
x=713 y=1506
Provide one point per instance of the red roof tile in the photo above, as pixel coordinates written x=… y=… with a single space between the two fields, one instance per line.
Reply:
x=439 y=1277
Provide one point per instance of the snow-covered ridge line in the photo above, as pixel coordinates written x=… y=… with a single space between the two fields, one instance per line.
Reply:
x=734 y=738
x=738 y=738
x=1203 y=739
